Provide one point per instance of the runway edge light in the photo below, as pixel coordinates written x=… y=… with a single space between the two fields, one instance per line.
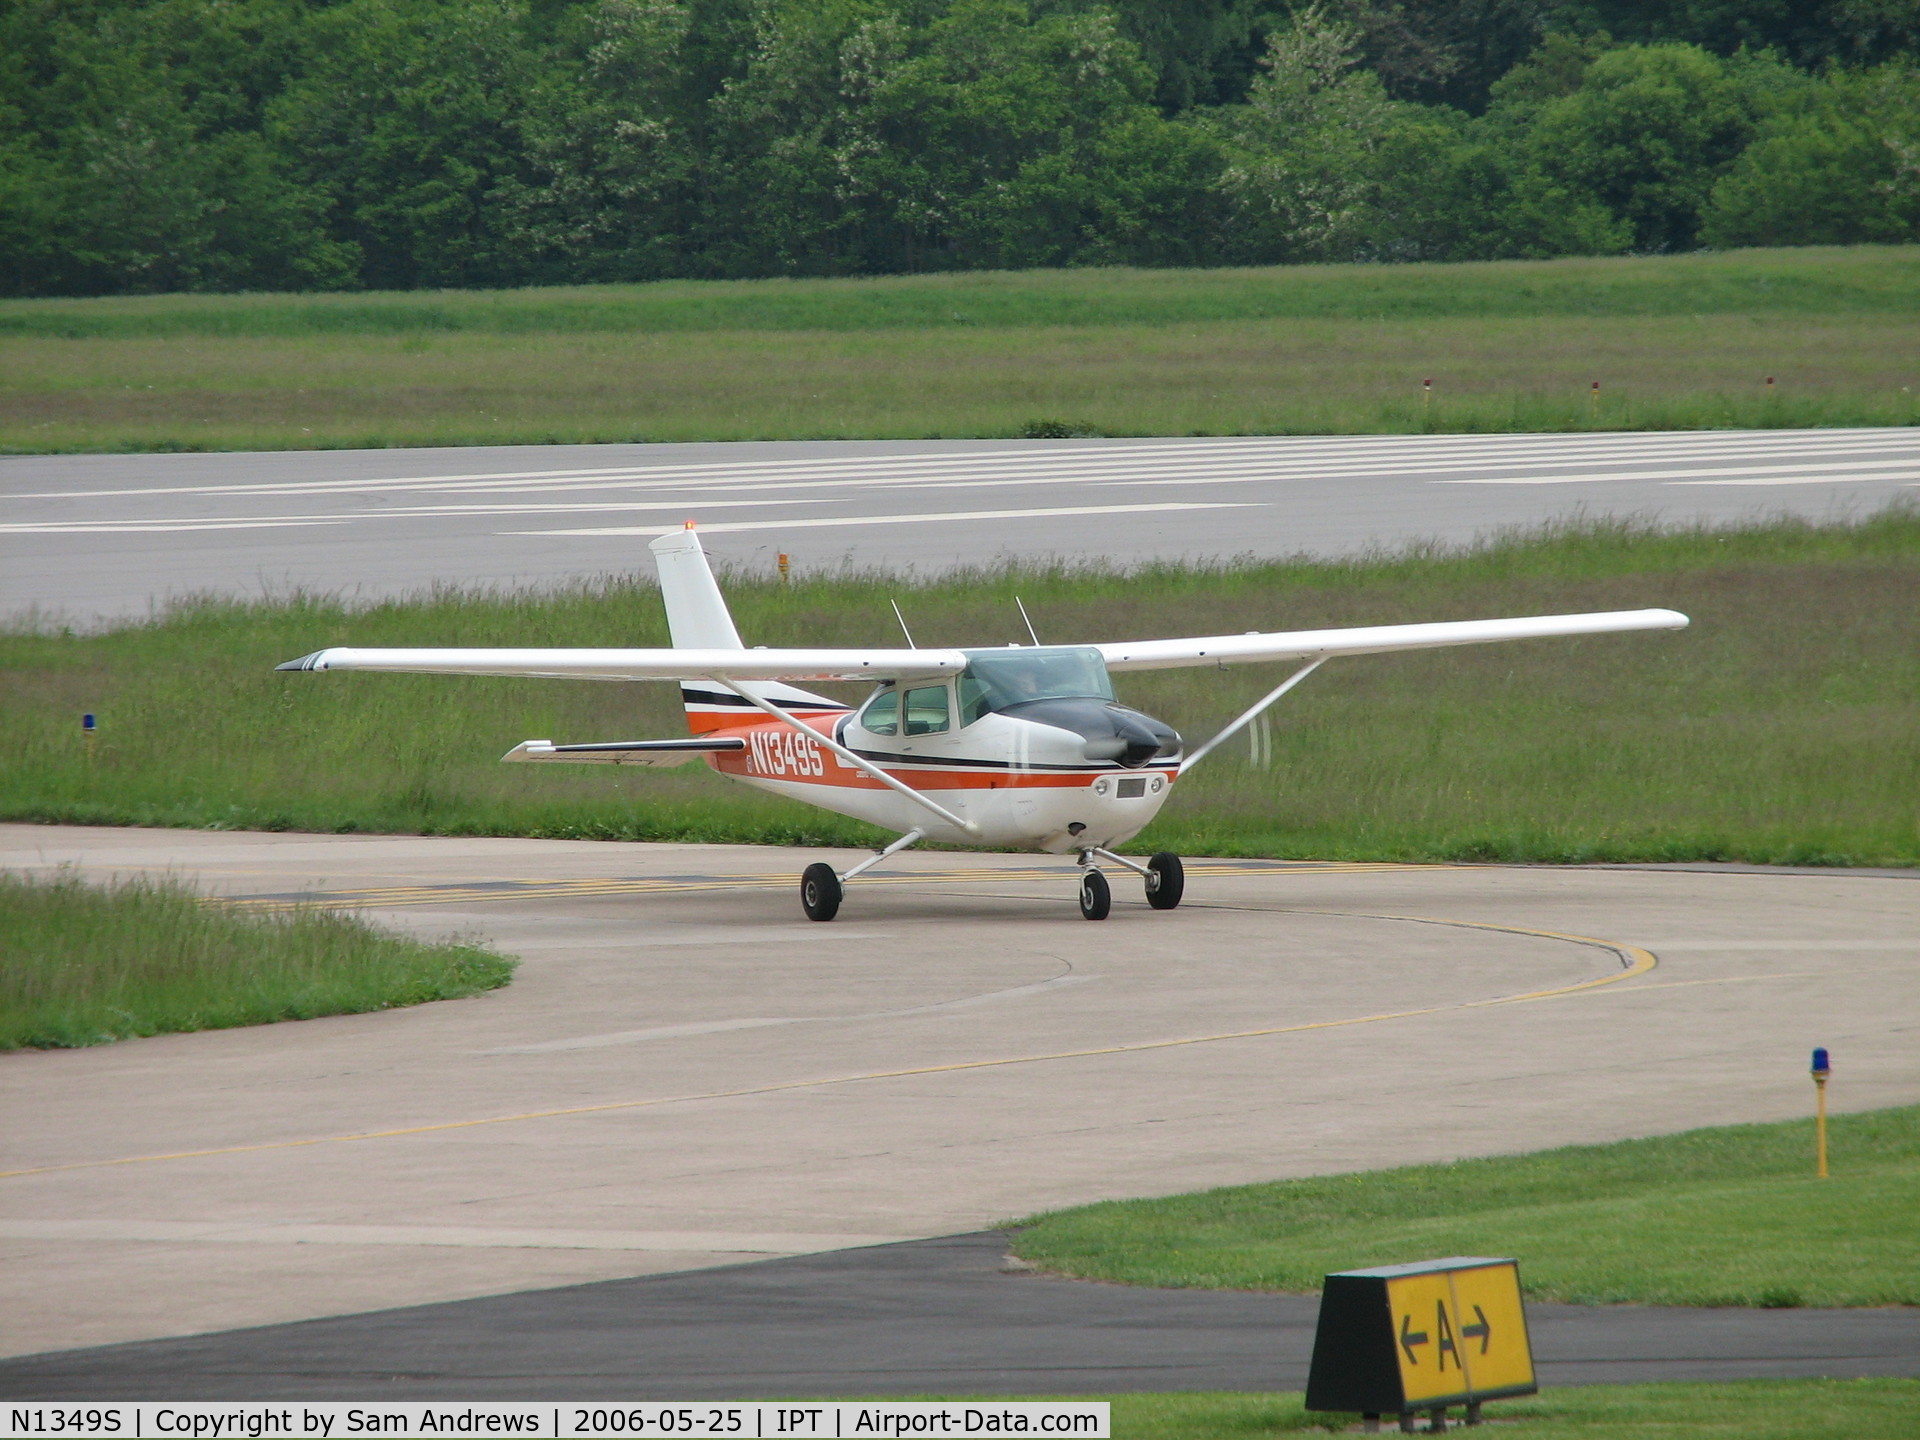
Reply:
x=1398 y=1339
x=1821 y=1070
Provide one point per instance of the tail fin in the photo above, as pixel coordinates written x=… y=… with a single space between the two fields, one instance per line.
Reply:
x=697 y=616
x=698 y=619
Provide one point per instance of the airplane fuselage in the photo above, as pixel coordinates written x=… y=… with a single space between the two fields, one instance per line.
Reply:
x=1023 y=783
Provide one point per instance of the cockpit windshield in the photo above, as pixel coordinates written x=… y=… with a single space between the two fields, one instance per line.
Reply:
x=995 y=679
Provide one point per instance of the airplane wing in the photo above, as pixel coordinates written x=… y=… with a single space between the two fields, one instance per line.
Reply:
x=762 y=664
x=1372 y=639
x=626 y=752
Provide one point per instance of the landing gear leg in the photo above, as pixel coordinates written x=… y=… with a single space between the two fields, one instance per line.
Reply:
x=821 y=890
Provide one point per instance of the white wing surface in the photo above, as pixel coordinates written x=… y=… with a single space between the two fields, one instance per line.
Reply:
x=1373 y=639
x=647 y=664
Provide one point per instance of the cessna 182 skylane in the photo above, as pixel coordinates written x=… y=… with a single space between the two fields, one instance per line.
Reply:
x=1015 y=746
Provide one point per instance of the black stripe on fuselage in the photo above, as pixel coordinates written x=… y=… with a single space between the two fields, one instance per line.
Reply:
x=691 y=696
x=957 y=762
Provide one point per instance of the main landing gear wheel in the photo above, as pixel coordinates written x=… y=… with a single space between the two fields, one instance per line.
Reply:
x=1166 y=880
x=1096 y=898
x=820 y=892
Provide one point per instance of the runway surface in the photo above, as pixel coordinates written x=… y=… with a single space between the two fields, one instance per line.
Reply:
x=685 y=1074
x=85 y=537
x=934 y=1317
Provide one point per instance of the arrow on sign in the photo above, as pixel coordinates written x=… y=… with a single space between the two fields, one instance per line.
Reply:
x=1480 y=1330
x=1409 y=1340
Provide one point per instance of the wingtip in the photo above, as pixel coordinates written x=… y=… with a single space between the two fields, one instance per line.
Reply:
x=305 y=662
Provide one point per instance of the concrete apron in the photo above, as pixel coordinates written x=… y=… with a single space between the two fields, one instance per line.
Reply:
x=685 y=1073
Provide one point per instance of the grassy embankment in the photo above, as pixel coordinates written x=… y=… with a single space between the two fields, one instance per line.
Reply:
x=83 y=964
x=1677 y=342
x=1784 y=727
x=1726 y=1216
x=1746 y=1410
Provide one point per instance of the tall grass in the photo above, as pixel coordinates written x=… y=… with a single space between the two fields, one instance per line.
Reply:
x=1738 y=1410
x=1866 y=279
x=1783 y=727
x=1726 y=1216
x=1677 y=342
x=83 y=964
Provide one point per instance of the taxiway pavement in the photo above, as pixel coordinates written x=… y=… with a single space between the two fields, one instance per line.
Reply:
x=93 y=537
x=686 y=1074
x=931 y=1317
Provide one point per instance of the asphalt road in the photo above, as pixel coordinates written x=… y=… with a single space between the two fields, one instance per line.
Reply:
x=936 y=1317
x=87 y=537
x=685 y=1075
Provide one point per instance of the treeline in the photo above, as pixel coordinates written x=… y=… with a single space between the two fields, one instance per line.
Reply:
x=152 y=145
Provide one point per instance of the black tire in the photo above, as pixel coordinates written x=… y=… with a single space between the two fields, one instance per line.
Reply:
x=820 y=892
x=1166 y=880
x=1096 y=897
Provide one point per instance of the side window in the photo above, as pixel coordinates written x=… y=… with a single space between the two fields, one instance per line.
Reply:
x=927 y=710
x=882 y=715
x=975 y=699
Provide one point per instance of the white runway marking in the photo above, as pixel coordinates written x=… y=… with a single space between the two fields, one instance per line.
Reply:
x=1282 y=454
x=727 y=527
x=143 y=527
x=91 y=555
x=1785 y=474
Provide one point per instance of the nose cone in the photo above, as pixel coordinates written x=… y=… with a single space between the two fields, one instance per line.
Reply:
x=1112 y=732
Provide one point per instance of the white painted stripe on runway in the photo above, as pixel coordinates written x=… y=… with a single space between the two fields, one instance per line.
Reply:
x=1240 y=472
x=1780 y=474
x=1801 y=479
x=820 y=522
x=401 y=512
x=1284 y=449
x=210 y=1232
x=135 y=527
x=1217 y=473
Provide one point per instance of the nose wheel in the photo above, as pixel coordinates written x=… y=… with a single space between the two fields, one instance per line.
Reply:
x=1166 y=880
x=1165 y=877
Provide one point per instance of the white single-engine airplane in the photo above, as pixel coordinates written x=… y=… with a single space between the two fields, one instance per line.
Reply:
x=1015 y=746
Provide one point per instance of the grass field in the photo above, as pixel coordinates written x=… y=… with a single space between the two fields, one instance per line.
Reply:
x=1783 y=727
x=1727 y=1216
x=83 y=964
x=1677 y=342
x=1745 y=1410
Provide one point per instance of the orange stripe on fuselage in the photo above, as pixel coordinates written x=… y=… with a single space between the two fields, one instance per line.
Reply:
x=779 y=752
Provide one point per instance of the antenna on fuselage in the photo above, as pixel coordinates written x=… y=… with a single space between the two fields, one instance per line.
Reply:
x=1023 y=615
x=903 y=624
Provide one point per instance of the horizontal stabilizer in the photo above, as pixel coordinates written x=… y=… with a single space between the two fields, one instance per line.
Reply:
x=626 y=752
x=1255 y=646
x=762 y=664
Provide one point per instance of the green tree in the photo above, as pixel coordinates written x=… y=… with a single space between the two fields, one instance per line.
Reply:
x=1842 y=169
x=1317 y=149
x=1649 y=131
x=609 y=148
x=990 y=135
x=130 y=153
x=408 y=119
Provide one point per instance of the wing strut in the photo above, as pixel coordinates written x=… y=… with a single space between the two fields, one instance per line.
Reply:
x=865 y=767
x=1247 y=718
